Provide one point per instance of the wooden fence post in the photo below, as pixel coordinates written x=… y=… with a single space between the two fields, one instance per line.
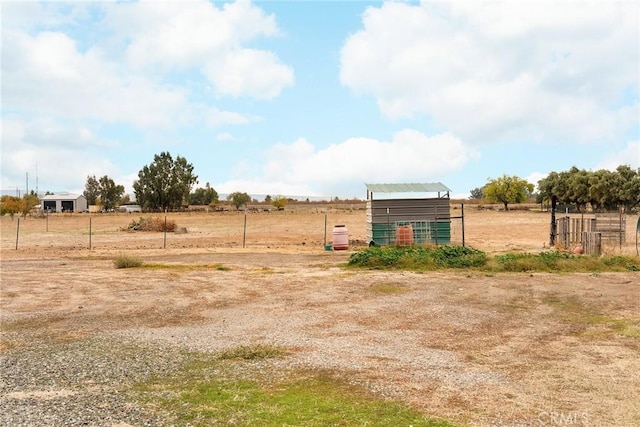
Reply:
x=592 y=243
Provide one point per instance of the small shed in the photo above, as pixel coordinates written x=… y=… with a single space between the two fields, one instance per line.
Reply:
x=421 y=209
x=64 y=202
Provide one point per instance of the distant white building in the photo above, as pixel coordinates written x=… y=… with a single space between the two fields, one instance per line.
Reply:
x=130 y=208
x=64 y=202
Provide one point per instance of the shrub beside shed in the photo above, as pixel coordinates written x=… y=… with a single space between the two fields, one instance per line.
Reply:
x=396 y=211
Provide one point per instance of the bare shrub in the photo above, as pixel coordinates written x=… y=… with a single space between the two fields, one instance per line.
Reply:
x=127 y=261
x=152 y=224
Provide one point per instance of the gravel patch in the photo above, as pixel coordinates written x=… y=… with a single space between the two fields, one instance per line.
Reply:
x=80 y=384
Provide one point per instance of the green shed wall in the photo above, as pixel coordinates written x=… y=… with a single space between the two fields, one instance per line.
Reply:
x=429 y=218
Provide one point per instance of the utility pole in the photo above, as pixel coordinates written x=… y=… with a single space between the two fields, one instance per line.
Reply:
x=27 y=192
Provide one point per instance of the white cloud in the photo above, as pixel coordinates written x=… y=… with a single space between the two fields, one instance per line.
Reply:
x=64 y=155
x=249 y=72
x=26 y=15
x=224 y=136
x=47 y=74
x=502 y=70
x=186 y=33
x=196 y=34
x=80 y=71
x=216 y=117
x=534 y=177
x=343 y=169
x=629 y=156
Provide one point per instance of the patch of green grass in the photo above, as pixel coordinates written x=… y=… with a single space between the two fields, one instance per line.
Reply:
x=388 y=288
x=622 y=262
x=620 y=326
x=590 y=321
x=196 y=397
x=419 y=258
x=557 y=261
x=252 y=352
x=127 y=261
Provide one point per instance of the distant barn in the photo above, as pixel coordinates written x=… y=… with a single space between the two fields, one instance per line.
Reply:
x=64 y=202
x=422 y=210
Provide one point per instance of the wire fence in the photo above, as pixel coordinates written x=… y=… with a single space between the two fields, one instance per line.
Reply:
x=302 y=229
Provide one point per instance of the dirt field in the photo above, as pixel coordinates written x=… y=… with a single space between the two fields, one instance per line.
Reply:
x=482 y=349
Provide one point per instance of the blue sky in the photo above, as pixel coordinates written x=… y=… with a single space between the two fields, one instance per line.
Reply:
x=307 y=98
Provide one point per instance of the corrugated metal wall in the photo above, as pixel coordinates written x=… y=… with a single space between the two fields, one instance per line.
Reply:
x=430 y=219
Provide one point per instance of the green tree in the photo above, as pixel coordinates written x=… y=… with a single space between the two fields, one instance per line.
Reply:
x=279 y=202
x=577 y=191
x=601 y=190
x=103 y=191
x=165 y=184
x=628 y=186
x=507 y=189
x=110 y=193
x=92 y=190
x=238 y=199
x=553 y=188
x=204 y=196
x=476 y=194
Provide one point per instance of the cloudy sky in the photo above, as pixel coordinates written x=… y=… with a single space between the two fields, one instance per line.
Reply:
x=317 y=98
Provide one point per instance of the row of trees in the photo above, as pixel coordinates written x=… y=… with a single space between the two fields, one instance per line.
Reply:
x=598 y=190
x=164 y=185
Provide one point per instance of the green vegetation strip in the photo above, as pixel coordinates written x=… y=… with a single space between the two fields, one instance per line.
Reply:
x=129 y=261
x=442 y=257
x=590 y=321
x=211 y=392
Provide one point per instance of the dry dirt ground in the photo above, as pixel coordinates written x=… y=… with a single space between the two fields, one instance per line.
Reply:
x=480 y=349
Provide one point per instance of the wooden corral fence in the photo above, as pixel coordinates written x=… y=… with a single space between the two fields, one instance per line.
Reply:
x=610 y=226
x=592 y=243
x=570 y=229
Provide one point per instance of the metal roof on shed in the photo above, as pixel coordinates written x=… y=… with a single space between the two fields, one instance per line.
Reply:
x=61 y=196
x=426 y=187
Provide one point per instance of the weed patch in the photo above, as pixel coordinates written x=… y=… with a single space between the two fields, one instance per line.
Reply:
x=589 y=321
x=127 y=261
x=418 y=257
x=252 y=352
x=388 y=288
x=206 y=394
x=441 y=257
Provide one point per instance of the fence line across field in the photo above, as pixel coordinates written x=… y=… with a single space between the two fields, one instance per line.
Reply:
x=68 y=230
